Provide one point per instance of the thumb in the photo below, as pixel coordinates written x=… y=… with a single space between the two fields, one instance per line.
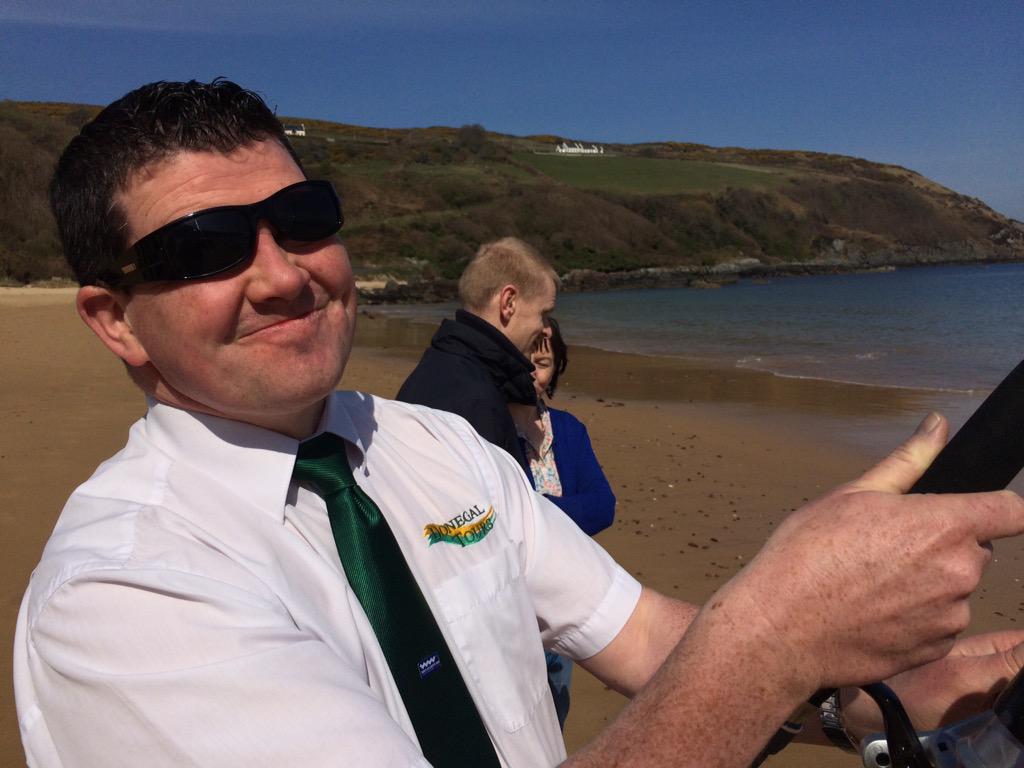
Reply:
x=998 y=669
x=983 y=679
x=1014 y=659
x=1003 y=651
x=898 y=471
x=1006 y=641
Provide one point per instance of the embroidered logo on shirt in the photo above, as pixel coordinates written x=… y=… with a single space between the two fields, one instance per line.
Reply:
x=429 y=665
x=464 y=529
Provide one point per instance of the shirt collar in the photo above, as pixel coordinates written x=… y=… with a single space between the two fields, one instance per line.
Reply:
x=255 y=463
x=338 y=420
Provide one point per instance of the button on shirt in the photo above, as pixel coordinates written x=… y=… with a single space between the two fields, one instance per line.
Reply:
x=190 y=607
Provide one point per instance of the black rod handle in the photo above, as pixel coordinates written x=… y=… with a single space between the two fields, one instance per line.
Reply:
x=988 y=451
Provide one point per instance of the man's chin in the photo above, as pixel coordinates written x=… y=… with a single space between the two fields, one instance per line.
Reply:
x=287 y=409
x=296 y=416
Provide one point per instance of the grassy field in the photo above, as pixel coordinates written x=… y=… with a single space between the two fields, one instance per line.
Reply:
x=649 y=176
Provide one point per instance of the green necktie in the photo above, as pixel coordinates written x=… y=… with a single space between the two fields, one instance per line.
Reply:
x=446 y=721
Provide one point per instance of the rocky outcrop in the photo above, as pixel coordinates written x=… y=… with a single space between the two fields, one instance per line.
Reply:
x=839 y=259
x=422 y=292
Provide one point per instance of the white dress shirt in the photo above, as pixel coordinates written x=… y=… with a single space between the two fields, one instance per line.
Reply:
x=190 y=608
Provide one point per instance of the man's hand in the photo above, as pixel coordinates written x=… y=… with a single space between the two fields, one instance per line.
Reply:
x=957 y=686
x=866 y=582
x=855 y=587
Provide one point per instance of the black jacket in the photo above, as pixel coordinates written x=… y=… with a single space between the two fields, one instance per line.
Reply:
x=472 y=369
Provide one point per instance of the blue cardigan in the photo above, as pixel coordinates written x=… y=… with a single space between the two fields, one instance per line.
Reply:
x=586 y=495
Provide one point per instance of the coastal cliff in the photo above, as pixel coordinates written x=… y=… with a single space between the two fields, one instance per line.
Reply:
x=418 y=202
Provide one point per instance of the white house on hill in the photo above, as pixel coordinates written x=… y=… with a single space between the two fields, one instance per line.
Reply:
x=295 y=130
x=565 y=148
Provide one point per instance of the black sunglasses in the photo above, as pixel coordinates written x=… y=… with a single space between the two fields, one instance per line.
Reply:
x=215 y=240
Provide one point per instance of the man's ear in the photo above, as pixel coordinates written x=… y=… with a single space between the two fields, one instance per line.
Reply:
x=507 y=298
x=103 y=310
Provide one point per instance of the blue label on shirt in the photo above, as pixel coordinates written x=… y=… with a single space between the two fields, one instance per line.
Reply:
x=429 y=665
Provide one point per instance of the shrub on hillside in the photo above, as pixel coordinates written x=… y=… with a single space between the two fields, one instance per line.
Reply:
x=778 y=231
x=891 y=210
x=30 y=248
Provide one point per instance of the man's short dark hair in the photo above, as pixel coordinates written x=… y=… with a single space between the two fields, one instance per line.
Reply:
x=150 y=124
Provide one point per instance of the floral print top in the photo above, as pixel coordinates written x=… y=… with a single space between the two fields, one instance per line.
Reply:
x=542 y=458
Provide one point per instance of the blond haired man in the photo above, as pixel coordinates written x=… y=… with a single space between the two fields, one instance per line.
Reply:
x=477 y=363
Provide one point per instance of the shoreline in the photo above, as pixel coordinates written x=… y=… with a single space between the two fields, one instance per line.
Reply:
x=381 y=292
x=705 y=462
x=868 y=417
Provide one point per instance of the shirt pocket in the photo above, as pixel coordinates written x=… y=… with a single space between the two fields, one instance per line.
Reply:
x=492 y=621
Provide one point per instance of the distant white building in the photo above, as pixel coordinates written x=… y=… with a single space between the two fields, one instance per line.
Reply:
x=565 y=148
x=295 y=129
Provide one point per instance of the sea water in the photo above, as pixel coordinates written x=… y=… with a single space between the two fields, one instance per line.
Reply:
x=947 y=328
x=958 y=328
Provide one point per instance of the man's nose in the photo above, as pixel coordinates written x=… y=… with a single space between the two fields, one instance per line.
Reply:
x=275 y=272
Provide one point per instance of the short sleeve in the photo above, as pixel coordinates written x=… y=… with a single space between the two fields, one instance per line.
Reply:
x=583 y=598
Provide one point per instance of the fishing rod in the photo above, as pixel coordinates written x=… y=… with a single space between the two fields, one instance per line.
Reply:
x=984 y=455
x=992 y=739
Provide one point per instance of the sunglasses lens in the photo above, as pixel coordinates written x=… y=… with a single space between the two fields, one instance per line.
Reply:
x=202 y=245
x=306 y=212
x=209 y=243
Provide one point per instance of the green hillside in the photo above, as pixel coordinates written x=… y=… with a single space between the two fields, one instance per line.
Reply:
x=649 y=175
x=419 y=201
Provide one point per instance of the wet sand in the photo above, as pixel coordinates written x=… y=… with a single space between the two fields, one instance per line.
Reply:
x=704 y=462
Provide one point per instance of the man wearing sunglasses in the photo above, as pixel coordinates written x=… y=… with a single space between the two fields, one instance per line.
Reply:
x=198 y=602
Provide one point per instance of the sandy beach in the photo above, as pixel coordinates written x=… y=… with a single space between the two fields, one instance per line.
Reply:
x=705 y=463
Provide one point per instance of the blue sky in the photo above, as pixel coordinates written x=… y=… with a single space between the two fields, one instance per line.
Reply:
x=934 y=86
